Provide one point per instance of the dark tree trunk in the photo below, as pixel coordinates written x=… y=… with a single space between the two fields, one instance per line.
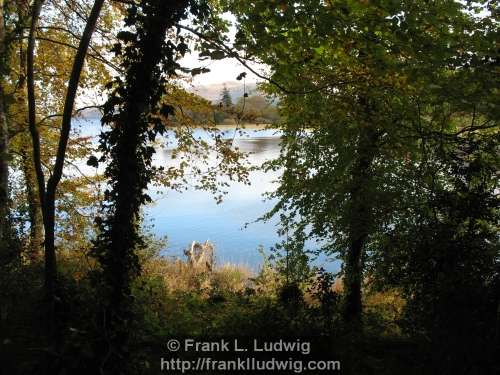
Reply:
x=131 y=165
x=360 y=222
x=148 y=59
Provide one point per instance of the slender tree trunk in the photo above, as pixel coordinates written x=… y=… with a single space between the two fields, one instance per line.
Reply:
x=4 y=136
x=359 y=226
x=49 y=207
x=26 y=150
x=4 y=171
x=48 y=193
x=35 y=137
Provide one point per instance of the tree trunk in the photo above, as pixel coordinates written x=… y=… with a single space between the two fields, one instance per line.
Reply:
x=33 y=200
x=32 y=196
x=4 y=137
x=47 y=193
x=53 y=182
x=146 y=63
x=4 y=172
x=359 y=226
x=49 y=274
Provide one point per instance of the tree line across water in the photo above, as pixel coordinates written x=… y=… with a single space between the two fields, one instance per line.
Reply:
x=388 y=114
x=252 y=108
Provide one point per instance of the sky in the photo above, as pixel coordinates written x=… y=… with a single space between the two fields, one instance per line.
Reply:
x=220 y=70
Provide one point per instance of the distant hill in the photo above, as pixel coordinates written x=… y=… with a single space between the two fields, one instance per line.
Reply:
x=212 y=92
x=90 y=113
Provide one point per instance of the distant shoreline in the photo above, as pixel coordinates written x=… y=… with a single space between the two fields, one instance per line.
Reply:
x=243 y=126
x=252 y=126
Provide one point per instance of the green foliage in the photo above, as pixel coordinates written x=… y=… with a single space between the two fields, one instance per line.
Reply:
x=362 y=87
x=322 y=290
x=292 y=261
x=449 y=272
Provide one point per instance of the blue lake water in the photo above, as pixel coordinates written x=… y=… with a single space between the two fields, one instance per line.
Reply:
x=194 y=215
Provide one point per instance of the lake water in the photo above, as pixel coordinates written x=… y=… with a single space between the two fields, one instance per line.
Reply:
x=194 y=215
